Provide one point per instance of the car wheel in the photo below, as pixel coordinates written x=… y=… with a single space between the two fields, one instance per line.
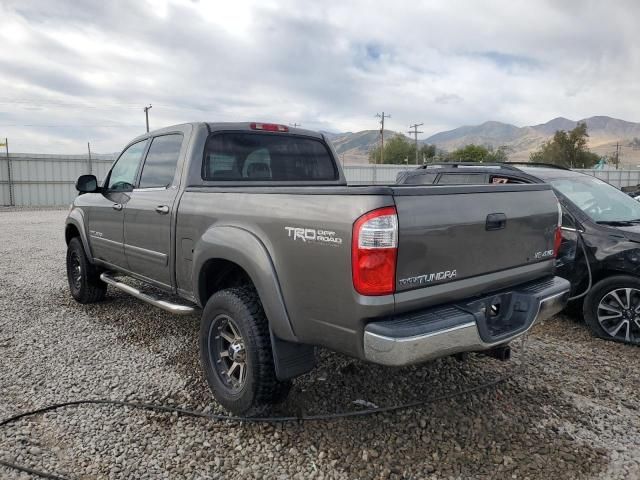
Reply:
x=612 y=309
x=236 y=355
x=83 y=277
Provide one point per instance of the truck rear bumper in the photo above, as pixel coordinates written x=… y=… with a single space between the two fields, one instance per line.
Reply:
x=469 y=326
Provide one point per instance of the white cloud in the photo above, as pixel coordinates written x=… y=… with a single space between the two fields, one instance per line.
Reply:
x=83 y=73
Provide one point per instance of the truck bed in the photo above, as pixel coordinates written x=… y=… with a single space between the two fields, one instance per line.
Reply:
x=441 y=229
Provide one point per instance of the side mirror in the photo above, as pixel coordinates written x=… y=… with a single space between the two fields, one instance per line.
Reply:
x=87 y=184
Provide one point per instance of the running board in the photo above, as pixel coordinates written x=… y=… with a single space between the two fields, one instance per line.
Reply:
x=163 y=304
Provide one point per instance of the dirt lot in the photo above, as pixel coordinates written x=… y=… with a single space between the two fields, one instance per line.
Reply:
x=572 y=414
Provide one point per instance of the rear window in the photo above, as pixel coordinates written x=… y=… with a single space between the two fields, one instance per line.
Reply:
x=240 y=156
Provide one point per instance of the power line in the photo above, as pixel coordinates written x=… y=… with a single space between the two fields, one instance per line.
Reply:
x=382 y=117
x=415 y=133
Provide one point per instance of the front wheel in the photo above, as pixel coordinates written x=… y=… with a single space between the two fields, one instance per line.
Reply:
x=612 y=309
x=235 y=352
x=84 y=278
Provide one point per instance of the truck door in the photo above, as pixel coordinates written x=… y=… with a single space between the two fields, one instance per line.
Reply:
x=149 y=212
x=106 y=209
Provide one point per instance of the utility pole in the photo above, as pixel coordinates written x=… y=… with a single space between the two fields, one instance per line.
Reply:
x=382 y=117
x=415 y=133
x=294 y=125
x=617 y=154
x=146 y=114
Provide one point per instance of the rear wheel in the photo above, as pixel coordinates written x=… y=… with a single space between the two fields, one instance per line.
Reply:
x=612 y=309
x=84 y=278
x=236 y=355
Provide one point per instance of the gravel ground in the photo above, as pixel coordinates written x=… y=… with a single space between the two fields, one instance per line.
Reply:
x=573 y=413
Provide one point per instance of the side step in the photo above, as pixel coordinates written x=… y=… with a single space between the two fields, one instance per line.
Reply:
x=163 y=304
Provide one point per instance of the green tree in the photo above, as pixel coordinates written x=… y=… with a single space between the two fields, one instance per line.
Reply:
x=567 y=149
x=477 y=153
x=499 y=155
x=426 y=153
x=469 y=153
x=399 y=150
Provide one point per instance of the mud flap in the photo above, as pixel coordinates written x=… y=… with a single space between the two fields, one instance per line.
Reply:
x=291 y=359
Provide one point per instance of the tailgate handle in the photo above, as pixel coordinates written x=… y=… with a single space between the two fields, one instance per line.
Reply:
x=496 y=221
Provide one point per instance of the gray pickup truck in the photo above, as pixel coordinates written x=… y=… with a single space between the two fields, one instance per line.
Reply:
x=254 y=223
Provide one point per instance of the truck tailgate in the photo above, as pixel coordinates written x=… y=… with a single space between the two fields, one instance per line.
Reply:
x=448 y=233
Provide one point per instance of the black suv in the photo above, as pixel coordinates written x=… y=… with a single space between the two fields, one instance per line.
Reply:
x=600 y=252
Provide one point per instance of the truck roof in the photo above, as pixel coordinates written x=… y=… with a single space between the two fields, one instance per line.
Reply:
x=539 y=171
x=215 y=126
x=242 y=126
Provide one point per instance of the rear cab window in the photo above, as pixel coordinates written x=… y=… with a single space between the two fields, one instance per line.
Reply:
x=260 y=157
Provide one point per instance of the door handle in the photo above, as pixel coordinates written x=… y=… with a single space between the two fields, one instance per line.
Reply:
x=117 y=206
x=496 y=221
x=162 y=209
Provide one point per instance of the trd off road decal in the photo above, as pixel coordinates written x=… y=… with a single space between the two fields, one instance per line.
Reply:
x=312 y=235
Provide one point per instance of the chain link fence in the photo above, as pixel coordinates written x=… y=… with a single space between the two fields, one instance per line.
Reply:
x=49 y=180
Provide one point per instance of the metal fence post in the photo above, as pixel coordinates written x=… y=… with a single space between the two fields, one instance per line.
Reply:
x=6 y=147
x=90 y=166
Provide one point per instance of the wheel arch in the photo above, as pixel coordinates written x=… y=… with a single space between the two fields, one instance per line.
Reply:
x=605 y=273
x=74 y=227
x=225 y=256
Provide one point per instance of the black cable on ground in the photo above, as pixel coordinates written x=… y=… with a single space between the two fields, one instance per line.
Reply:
x=238 y=419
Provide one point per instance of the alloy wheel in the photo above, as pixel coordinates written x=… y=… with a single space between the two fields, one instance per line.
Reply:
x=227 y=352
x=76 y=270
x=618 y=314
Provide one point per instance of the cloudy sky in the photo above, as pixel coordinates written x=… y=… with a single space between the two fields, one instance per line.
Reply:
x=73 y=71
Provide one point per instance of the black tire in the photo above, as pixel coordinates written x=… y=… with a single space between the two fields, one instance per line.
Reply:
x=592 y=305
x=84 y=278
x=575 y=310
x=239 y=310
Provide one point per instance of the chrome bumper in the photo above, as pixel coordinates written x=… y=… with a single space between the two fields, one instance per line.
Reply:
x=463 y=334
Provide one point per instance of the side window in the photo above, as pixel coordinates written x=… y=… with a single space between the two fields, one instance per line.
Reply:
x=422 y=179
x=499 y=180
x=160 y=166
x=462 y=179
x=567 y=219
x=123 y=173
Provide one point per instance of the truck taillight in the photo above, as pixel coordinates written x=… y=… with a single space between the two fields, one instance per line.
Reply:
x=557 y=240
x=374 y=251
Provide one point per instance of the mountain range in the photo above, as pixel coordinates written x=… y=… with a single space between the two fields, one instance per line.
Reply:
x=604 y=133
